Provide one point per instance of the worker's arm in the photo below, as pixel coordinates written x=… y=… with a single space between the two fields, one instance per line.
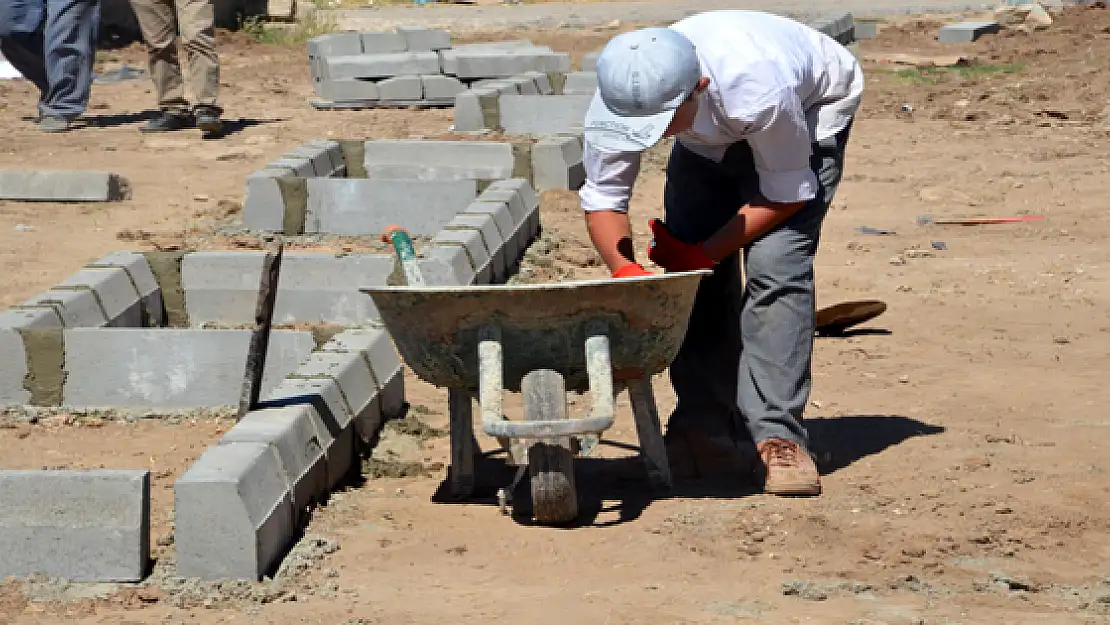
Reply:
x=781 y=148
x=610 y=177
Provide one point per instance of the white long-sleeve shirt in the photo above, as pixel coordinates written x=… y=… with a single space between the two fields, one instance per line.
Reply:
x=774 y=82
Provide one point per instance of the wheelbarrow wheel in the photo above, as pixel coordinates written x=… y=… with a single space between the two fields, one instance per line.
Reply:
x=550 y=461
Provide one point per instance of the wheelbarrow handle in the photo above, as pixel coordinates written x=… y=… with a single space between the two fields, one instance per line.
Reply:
x=406 y=254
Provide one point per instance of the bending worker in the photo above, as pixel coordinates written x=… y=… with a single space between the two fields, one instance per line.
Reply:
x=761 y=107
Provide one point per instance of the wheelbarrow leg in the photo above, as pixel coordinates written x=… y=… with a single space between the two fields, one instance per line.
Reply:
x=650 y=431
x=463 y=444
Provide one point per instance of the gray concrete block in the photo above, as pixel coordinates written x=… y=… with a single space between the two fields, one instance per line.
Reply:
x=222 y=287
x=967 y=32
x=439 y=87
x=557 y=164
x=589 y=61
x=114 y=292
x=334 y=44
x=529 y=199
x=13 y=372
x=525 y=85
x=367 y=206
x=523 y=218
x=317 y=155
x=471 y=241
x=382 y=42
x=506 y=225
x=292 y=434
x=78 y=308
x=233 y=513
x=350 y=370
x=508 y=86
x=557 y=62
x=580 y=83
x=437 y=160
x=446 y=266
x=383 y=65
x=512 y=44
x=296 y=165
x=330 y=416
x=263 y=204
x=170 y=368
x=543 y=115
x=494 y=63
x=867 y=29
x=491 y=237
x=335 y=154
x=84 y=526
x=138 y=271
x=421 y=38
x=476 y=110
x=401 y=88
x=377 y=347
x=39 y=318
x=542 y=82
x=63 y=186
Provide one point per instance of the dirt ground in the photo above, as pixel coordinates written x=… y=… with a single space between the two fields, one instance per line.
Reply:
x=962 y=434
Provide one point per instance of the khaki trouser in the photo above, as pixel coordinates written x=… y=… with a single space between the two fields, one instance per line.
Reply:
x=159 y=21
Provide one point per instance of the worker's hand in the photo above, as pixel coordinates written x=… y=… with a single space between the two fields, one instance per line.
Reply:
x=674 y=255
x=631 y=270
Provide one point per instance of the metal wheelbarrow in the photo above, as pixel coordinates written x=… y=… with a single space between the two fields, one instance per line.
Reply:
x=597 y=337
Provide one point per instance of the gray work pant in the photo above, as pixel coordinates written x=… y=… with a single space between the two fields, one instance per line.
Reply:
x=743 y=370
x=58 y=58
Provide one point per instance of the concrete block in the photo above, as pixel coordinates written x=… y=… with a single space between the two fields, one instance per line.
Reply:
x=477 y=109
x=491 y=237
x=78 y=308
x=335 y=156
x=63 y=186
x=543 y=115
x=170 y=368
x=509 y=86
x=446 y=266
x=589 y=61
x=114 y=293
x=383 y=65
x=263 y=203
x=233 y=513
x=31 y=318
x=421 y=38
x=138 y=271
x=349 y=90
x=867 y=29
x=334 y=44
x=580 y=83
x=557 y=164
x=385 y=363
x=512 y=44
x=295 y=165
x=529 y=199
x=437 y=160
x=506 y=225
x=381 y=42
x=525 y=218
x=350 y=370
x=330 y=415
x=222 y=287
x=292 y=434
x=13 y=372
x=367 y=206
x=558 y=62
x=524 y=84
x=471 y=241
x=84 y=526
x=494 y=63
x=439 y=87
x=401 y=88
x=315 y=154
x=965 y=32
x=542 y=82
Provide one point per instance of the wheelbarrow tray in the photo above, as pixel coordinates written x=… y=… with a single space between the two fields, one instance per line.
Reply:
x=542 y=326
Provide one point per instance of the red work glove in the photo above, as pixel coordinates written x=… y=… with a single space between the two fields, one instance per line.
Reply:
x=631 y=270
x=674 y=255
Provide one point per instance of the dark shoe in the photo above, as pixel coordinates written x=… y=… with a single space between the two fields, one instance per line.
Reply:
x=695 y=454
x=788 y=469
x=208 y=121
x=54 y=124
x=167 y=122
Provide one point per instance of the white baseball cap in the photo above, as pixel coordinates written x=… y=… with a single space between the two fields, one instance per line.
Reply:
x=643 y=77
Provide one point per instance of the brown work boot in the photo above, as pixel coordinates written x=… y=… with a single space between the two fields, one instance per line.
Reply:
x=788 y=469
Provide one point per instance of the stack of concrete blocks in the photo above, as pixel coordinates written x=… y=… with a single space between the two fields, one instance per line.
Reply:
x=240 y=506
x=416 y=66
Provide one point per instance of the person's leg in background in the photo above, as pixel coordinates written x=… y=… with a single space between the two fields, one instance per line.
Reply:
x=69 y=42
x=703 y=437
x=26 y=54
x=777 y=325
x=158 y=23
x=197 y=19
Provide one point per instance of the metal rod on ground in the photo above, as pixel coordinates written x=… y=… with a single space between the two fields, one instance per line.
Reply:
x=260 y=335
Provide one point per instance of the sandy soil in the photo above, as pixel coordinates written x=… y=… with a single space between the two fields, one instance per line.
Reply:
x=962 y=433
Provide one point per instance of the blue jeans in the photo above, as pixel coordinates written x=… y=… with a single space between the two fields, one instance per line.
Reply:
x=743 y=370
x=58 y=56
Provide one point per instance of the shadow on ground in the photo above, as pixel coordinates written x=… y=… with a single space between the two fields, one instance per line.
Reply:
x=620 y=485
